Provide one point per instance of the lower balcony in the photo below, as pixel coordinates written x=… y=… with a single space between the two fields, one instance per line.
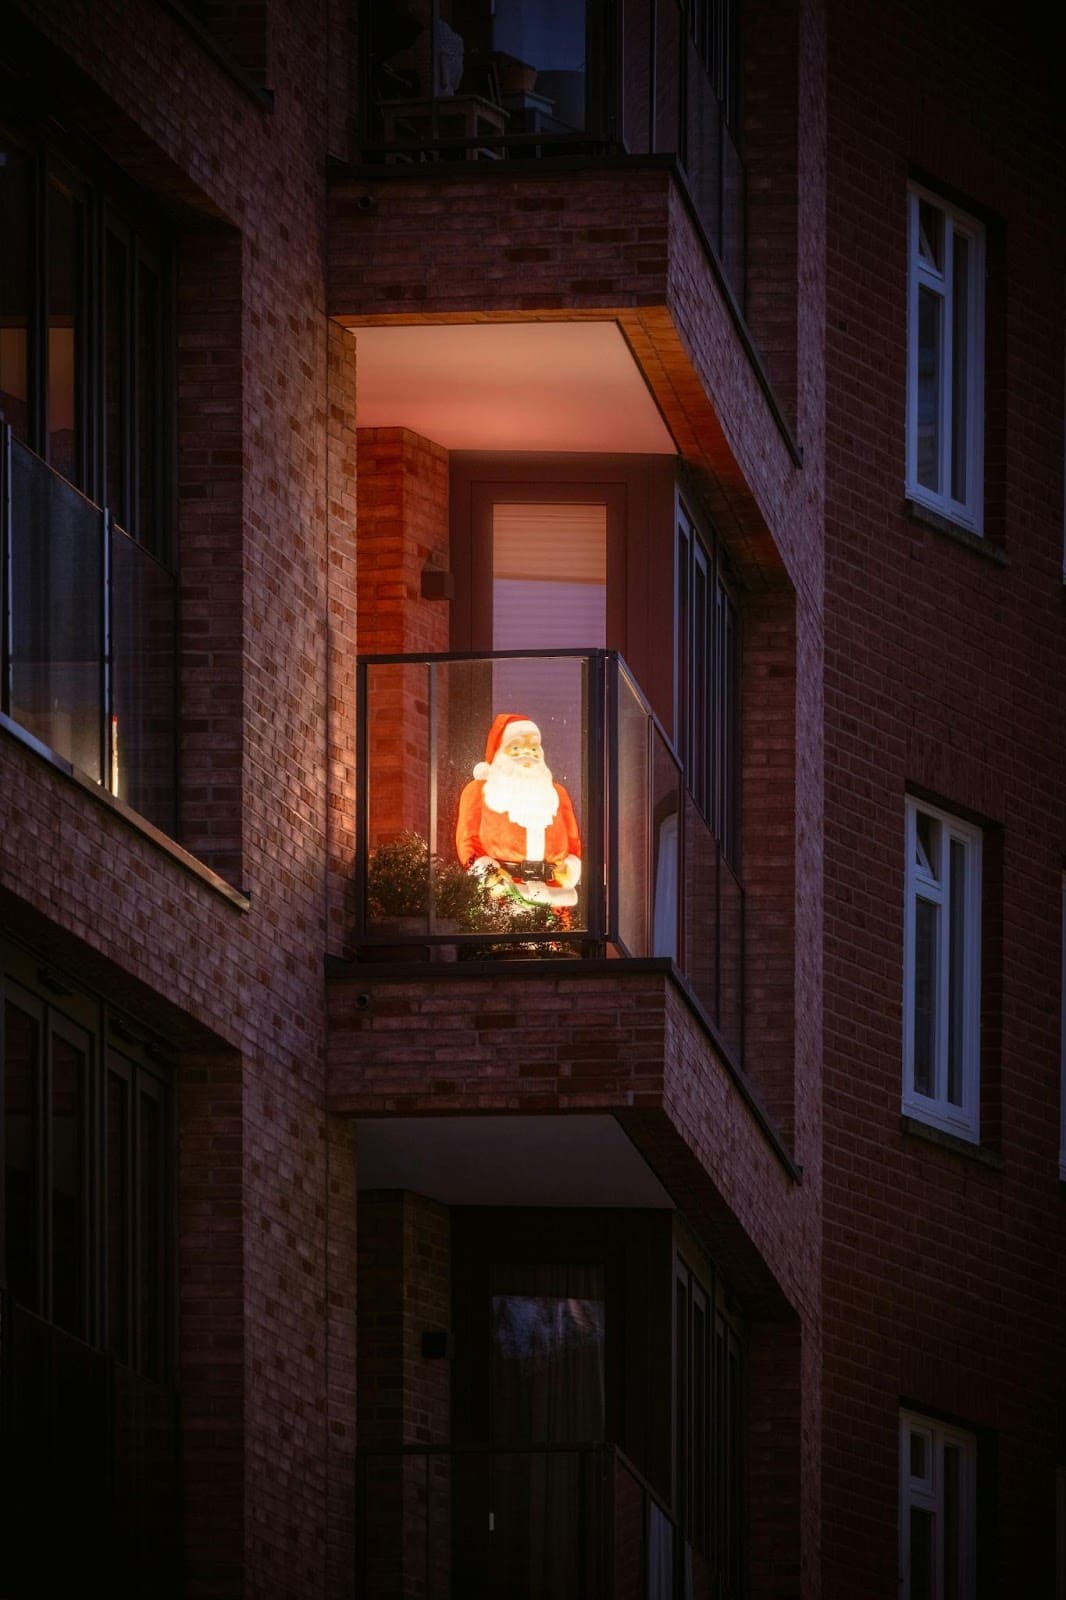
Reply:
x=565 y=832
x=573 y=1522
x=88 y=637
x=89 y=1450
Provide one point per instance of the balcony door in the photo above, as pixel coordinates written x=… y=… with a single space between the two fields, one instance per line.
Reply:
x=528 y=1507
x=541 y=567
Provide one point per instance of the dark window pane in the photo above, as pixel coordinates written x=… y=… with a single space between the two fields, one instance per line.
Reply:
x=726 y=692
x=701 y=684
x=22 y=1087
x=952 y=1528
x=56 y=596
x=682 y=1419
x=151 y=1266
x=149 y=529
x=65 y=231
x=548 y=38
x=919 y=1468
x=926 y=917
x=118 y=1215
x=956 y=972
x=928 y=830
x=116 y=376
x=547 y=1378
x=931 y=234
x=15 y=191
x=929 y=379
x=961 y=314
x=922 y=1556
x=69 y=1220
x=700 y=1421
x=143 y=653
x=684 y=643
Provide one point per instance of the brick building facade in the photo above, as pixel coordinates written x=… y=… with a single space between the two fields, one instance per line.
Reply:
x=658 y=374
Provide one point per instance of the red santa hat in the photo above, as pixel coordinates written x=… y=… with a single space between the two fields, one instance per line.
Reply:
x=513 y=725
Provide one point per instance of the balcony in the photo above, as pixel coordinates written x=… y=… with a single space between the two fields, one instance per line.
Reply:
x=536 y=81
x=88 y=1448
x=653 y=881
x=573 y=1522
x=89 y=636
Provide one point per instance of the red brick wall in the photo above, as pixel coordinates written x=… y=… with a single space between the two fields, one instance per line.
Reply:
x=770 y=139
x=267 y=1513
x=210 y=535
x=944 y=670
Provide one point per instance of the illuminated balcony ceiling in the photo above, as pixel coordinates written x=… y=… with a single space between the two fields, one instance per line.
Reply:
x=549 y=386
x=579 y=1160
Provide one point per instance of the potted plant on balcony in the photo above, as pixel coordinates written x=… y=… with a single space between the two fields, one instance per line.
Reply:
x=401 y=879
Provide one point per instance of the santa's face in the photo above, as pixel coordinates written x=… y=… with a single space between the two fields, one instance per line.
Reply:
x=525 y=751
x=520 y=785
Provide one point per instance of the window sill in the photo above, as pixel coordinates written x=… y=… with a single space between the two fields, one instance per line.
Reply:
x=913 y=1128
x=140 y=824
x=955 y=531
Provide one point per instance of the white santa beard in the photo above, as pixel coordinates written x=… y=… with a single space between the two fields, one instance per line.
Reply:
x=527 y=796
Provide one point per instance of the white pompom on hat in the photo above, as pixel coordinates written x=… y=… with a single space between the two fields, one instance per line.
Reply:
x=504 y=721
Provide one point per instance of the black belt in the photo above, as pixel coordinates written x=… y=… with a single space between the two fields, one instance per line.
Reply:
x=541 y=870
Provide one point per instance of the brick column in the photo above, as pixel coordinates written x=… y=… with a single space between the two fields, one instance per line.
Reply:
x=404 y=1396
x=403 y=528
x=212 y=1326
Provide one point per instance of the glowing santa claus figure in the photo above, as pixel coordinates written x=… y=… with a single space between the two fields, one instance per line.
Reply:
x=516 y=824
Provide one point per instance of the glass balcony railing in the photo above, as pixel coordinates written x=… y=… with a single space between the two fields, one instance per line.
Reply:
x=586 y=845
x=89 y=640
x=576 y=1523
x=533 y=79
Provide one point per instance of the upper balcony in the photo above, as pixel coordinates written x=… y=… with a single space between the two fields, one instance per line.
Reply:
x=579 y=838
x=88 y=637
x=541 y=81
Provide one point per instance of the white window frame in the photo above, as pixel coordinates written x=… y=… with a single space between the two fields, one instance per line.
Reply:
x=927 y=1493
x=923 y=273
x=930 y=881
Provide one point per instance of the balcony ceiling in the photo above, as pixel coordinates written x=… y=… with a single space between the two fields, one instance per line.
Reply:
x=508 y=1161
x=550 y=386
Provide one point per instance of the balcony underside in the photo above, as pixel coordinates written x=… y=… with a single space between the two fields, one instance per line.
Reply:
x=615 y=241
x=617 y=1038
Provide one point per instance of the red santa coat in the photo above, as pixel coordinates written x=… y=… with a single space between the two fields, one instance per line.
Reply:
x=482 y=832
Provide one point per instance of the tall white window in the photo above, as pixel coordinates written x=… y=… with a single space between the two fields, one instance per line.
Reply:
x=942 y=970
x=937 y=1510
x=945 y=358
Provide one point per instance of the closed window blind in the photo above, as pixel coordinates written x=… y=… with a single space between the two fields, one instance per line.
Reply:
x=549 y=577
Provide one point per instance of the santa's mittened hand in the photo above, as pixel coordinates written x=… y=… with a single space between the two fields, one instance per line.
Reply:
x=568 y=871
x=492 y=875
